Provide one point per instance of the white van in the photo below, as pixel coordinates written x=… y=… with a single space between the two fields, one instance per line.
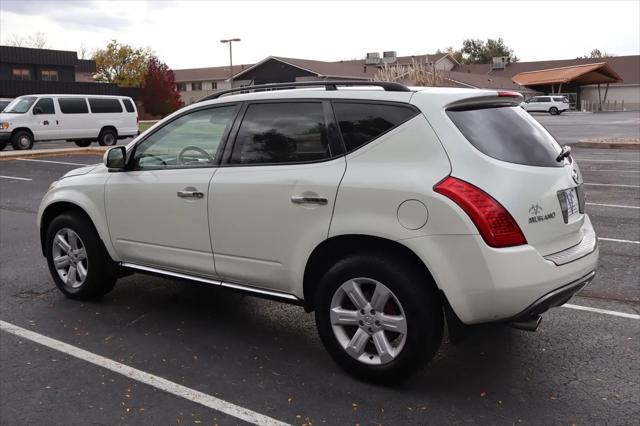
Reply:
x=76 y=118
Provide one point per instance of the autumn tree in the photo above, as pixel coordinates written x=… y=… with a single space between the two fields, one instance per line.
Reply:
x=122 y=64
x=159 y=93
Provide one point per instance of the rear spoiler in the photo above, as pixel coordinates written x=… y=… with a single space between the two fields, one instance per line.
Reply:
x=501 y=98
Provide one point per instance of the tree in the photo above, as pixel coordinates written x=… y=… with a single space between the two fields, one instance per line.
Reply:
x=35 y=40
x=476 y=51
x=595 y=54
x=122 y=64
x=159 y=93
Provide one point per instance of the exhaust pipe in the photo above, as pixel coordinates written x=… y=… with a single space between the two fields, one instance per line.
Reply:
x=530 y=325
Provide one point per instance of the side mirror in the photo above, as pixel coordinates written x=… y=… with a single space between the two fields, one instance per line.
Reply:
x=115 y=158
x=37 y=110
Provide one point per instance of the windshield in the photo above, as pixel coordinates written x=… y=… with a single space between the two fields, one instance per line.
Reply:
x=20 y=105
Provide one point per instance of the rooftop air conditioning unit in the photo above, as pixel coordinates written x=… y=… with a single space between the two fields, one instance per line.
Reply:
x=499 y=62
x=389 y=57
x=373 y=58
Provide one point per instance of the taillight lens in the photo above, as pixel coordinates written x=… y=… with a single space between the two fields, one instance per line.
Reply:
x=496 y=226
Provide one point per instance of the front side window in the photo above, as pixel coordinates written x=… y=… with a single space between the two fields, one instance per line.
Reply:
x=104 y=105
x=73 y=105
x=360 y=123
x=20 y=105
x=44 y=106
x=276 y=133
x=21 y=74
x=186 y=142
x=48 y=75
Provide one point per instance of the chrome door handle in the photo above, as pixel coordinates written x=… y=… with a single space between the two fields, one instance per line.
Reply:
x=190 y=194
x=309 y=200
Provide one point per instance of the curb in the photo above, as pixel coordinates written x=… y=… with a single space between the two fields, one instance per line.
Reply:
x=52 y=152
x=605 y=145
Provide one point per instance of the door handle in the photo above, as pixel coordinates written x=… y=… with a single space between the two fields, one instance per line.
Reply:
x=45 y=122
x=321 y=201
x=191 y=194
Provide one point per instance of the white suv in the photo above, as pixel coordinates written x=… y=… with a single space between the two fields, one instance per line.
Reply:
x=554 y=105
x=382 y=210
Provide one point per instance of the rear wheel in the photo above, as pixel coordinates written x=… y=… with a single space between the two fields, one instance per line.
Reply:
x=380 y=318
x=108 y=137
x=553 y=111
x=22 y=140
x=77 y=260
x=83 y=144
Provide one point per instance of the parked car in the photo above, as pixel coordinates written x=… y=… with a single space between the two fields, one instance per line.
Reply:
x=4 y=102
x=380 y=210
x=82 y=119
x=554 y=105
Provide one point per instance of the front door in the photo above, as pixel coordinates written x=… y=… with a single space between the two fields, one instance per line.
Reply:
x=45 y=119
x=157 y=210
x=272 y=203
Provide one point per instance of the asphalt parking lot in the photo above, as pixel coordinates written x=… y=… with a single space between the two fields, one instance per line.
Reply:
x=580 y=367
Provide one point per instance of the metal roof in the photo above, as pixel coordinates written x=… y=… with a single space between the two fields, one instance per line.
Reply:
x=596 y=73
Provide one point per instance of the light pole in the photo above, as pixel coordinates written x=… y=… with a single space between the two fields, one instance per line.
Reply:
x=230 y=41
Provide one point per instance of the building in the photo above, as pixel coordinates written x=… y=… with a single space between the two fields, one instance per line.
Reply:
x=25 y=71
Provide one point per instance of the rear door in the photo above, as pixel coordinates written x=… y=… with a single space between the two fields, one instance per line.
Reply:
x=271 y=203
x=514 y=159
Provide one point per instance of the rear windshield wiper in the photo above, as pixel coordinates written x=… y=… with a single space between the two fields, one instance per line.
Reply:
x=566 y=151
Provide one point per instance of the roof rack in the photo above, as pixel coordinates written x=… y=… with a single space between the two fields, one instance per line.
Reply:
x=328 y=85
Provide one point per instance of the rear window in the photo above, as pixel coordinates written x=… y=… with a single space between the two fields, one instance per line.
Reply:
x=73 y=105
x=128 y=105
x=361 y=123
x=104 y=105
x=509 y=134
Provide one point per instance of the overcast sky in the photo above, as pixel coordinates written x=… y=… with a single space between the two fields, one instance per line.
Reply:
x=186 y=34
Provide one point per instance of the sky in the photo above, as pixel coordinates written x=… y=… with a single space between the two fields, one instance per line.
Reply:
x=187 y=34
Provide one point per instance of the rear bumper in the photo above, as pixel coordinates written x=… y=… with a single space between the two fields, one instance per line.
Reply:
x=484 y=284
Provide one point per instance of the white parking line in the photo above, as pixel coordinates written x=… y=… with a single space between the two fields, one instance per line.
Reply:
x=143 y=377
x=612 y=184
x=14 y=177
x=54 y=162
x=602 y=311
x=615 y=240
x=613 y=205
x=606 y=161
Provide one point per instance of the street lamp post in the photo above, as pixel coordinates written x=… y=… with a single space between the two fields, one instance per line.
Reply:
x=230 y=41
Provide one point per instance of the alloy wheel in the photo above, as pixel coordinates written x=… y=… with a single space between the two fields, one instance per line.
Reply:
x=70 y=258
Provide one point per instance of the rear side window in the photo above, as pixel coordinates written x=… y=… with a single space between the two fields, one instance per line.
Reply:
x=544 y=99
x=360 y=123
x=509 y=134
x=73 y=105
x=45 y=105
x=128 y=105
x=104 y=105
x=276 y=133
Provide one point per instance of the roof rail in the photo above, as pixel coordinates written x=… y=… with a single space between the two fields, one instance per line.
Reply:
x=328 y=85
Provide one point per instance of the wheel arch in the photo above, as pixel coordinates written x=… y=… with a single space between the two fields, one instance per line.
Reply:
x=28 y=130
x=332 y=249
x=108 y=127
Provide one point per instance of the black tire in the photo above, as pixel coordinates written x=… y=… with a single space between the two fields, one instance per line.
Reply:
x=418 y=297
x=21 y=140
x=3 y=145
x=100 y=269
x=553 y=111
x=83 y=144
x=108 y=137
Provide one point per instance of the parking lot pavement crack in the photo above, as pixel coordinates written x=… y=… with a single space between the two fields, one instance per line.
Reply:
x=17 y=209
x=31 y=294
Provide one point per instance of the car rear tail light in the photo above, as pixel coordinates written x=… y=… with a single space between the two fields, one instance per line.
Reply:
x=496 y=226
x=506 y=94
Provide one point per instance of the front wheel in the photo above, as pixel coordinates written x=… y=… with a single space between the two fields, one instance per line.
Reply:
x=78 y=262
x=380 y=318
x=553 y=111
x=22 y=140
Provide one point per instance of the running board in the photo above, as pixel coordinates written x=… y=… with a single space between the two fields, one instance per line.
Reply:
x=239 y=287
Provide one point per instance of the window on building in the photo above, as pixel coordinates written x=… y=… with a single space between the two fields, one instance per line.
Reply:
x=49 y=75
x=73 y=105
x=104 y=105
x=214 y=85
x=21 y=74
x=44 y=106
x=182 y=87
x=276 y=133
x=196 y=85
x=360 y=123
